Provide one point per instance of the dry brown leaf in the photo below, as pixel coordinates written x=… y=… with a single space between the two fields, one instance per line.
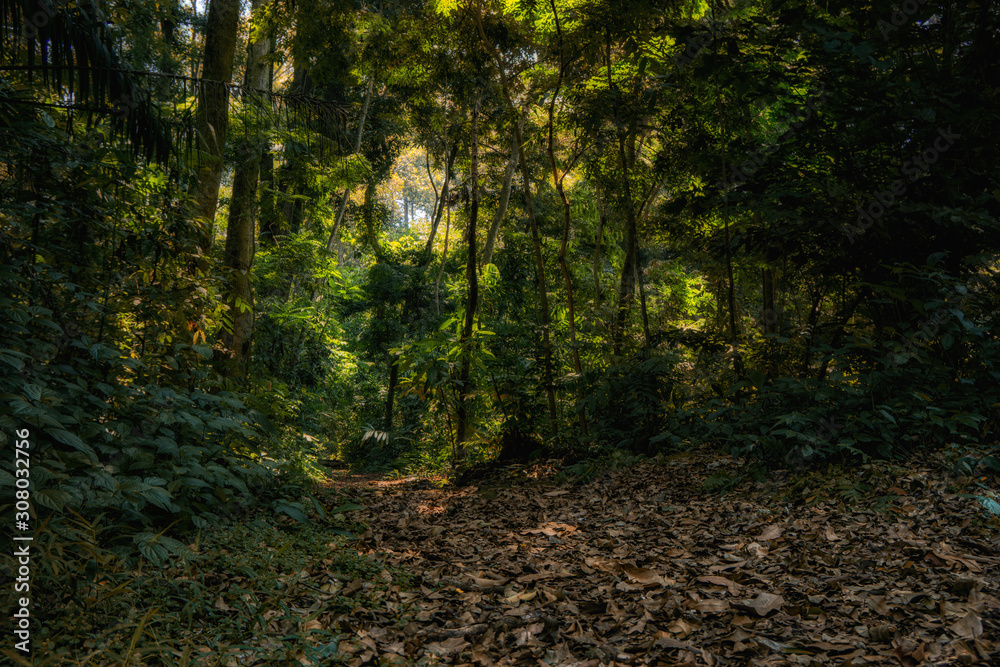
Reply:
x=710 y=606
x=448 y=646
x=643 y=575
x=729 y=584
x=969 y=627
x=763 y=604
x=771 y=532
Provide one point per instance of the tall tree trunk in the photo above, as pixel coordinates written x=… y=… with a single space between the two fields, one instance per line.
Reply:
x=557 y=182
x=602 y=215
x=371 y=228
x=270 y=228
x=738 y=367
x=444 y=259
x=444 y=208
x=630 y=268
x=465 y=379
x=290 y=184
x=443 y=199
x=332 y=241
x=543 y=297
x=240 y=236
x=213 y=113
x=508 y=178
x=768 y=279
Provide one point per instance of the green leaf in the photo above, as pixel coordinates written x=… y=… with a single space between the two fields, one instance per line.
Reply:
x=347 y=507
x=294 y=510
x=67 y=438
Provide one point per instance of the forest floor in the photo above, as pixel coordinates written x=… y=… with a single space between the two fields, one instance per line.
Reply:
x=680 y=560
x=882 y=564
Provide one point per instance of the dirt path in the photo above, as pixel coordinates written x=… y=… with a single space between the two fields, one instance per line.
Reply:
x=641 y=567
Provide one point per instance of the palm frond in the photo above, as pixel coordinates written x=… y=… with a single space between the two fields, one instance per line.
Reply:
x=71 y=47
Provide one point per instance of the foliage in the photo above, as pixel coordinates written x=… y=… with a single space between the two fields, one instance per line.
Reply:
x=204 y=600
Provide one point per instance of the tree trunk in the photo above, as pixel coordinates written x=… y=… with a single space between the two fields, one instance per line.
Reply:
x=270 y=229
x=449 y=158
x=371 y=229
x=535 y=236
x=630 y=269
x=508 y=178
x=602 y=214
x=443 y=199
x=465 y=380
x=213 y=113
x=444 y=259
x=557 y=182
x=332 y=241
x=567 y=278
x=391 y=394
x=626 y=287
x=238 y=258
x=290 y=185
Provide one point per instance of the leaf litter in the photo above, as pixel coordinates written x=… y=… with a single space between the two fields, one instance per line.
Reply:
x=643 y=567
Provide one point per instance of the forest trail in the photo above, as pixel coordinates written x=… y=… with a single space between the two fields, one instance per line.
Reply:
x=641 y=566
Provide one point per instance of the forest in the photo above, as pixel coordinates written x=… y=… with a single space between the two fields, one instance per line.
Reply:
x=500 y=332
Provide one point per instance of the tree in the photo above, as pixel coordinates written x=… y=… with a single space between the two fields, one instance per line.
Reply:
x=240 y=236
x=213 y=111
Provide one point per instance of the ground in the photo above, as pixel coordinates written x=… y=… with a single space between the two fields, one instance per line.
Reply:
x=691 y=559
x=878 y=565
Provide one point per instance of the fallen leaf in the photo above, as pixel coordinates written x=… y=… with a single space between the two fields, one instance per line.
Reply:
x=969 y=627
x=763 y=604
x=729 y=584
x=771 y=532
x=643 y=575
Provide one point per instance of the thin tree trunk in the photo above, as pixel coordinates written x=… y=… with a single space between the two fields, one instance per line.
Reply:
x=535 y=236
x=371 y=231
x=465 y=379
x=430 y=177
x=447 y=224
x=626 y=287
x=731 y=291
x=240 y=236
x=270 y=229
x=508 y=178
x=332 y=241
x=602 y=216
x=444 y=259
x=443 y=200
x=557 y=182
x=213 y=114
